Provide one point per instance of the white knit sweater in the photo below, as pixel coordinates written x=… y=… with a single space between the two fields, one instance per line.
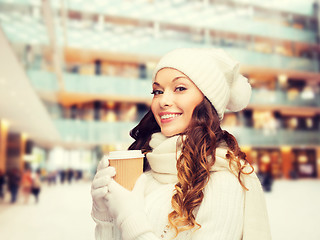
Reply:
x=226 y=212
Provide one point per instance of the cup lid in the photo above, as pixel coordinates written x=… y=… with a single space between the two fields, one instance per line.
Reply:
x=125 y=154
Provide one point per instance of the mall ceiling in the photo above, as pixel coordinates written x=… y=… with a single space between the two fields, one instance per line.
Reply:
x=19 y=103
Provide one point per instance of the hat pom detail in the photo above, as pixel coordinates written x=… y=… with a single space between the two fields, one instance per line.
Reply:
x=240 y=94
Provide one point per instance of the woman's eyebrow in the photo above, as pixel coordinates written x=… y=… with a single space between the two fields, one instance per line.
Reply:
x=175 y=79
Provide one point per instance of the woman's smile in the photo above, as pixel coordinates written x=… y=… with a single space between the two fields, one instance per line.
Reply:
x=168 y=116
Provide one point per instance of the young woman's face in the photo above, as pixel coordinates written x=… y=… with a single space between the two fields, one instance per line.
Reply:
x=175 y=98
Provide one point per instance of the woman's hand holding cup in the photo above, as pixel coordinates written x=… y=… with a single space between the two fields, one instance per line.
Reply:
x=99 y=187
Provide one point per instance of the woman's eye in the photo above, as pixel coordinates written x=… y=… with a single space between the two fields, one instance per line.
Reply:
x=156 y=92
x=180 y=89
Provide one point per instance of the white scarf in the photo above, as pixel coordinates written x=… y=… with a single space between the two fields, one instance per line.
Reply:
x=163 y=159
x=166 y=151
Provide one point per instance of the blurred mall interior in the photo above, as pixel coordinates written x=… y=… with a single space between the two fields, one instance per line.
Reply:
x=75 y=78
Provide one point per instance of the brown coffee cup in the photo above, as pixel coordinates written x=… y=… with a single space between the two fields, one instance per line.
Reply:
x=128 y=165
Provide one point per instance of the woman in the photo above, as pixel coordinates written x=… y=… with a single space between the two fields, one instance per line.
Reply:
x=197 y=183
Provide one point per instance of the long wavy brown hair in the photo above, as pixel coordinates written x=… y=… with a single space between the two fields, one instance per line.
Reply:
x=202 y=137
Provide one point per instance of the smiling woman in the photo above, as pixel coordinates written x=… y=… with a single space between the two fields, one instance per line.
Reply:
x=175 y=98
x=196 y=178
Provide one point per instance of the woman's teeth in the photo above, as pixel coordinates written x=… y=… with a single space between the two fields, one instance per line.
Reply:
x=170 y=116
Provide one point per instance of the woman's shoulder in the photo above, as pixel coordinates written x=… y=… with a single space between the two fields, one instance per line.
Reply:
x=223 y=176
x=223 y=182
x=228 y=181
x=222 y=193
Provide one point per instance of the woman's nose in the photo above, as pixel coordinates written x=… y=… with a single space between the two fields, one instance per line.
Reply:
x=166 y=99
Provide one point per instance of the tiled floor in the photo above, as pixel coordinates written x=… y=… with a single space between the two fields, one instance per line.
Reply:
x=63 y=213
x=294 y=210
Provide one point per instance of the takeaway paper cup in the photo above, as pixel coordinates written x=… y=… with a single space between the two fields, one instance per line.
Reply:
x=128 y=165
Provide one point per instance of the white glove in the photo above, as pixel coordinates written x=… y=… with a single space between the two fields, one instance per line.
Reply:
x=121 y=202
x=128 y=208
x=99 y=188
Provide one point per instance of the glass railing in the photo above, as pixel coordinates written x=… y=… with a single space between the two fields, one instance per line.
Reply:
x=243 y=55
x=280 y=97
x=43 y=80
x=276 y=137
x=295 y=6
x=141 y=88
x=276 y=61
x=107 y=85
x=94 y=132
x=208 y=17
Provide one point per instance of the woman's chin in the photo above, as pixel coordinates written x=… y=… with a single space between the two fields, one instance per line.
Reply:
x=170 y=133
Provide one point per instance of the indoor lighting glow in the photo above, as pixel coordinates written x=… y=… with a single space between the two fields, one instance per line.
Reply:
x=5 y=123
x=285 y=148
x=307 y=93
x=24 y=136
x=283 y=79
x=302 y=159
x=245 y=148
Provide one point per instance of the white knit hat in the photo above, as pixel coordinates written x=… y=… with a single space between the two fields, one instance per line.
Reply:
x=214 y=72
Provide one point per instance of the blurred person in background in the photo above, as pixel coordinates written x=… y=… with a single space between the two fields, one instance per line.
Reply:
x=36 y=185
x=52 y=178
x=266 y=177
x=197 y=183
x=70 y=174
x=62 y=174
x=79 y=175
x=26 y=184
x=14 y=178
x=267 y=181
x=2 y=182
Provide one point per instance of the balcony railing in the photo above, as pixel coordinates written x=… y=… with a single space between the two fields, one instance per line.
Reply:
x=295 y=6
x=280 y=97
x=108 y=85
x=94 y=132
x=272 y=60
x=207 y=17
x=43 y=80
x=277 y=137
